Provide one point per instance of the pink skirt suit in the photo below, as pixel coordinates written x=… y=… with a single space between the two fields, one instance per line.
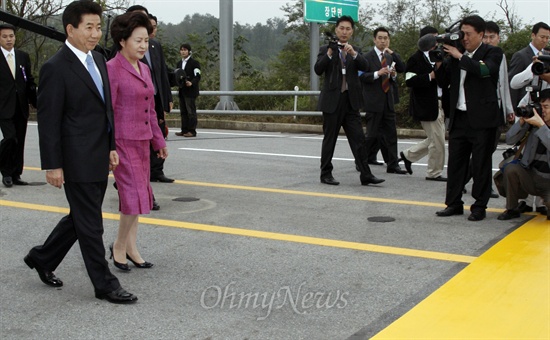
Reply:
x=136 y=127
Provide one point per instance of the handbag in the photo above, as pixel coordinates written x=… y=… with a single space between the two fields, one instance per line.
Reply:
x=511 y=156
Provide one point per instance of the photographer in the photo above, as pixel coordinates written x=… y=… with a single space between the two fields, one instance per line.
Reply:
x=471 y=73
x=532 y=174
x=189 y=92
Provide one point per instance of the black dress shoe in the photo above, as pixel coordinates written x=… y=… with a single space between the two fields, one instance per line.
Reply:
x=396 y=170
x=371 y=179
x=18 y=181
x=120 y=296
x=162 y=179
x=477 y=215
x=329 y=180
x=523 y=207
x=121 y=266
x=407 y=163
x=508 y=214
x=156 y=206
x=7 y=181
x=46 y=276
x=542 y=210
x=145 y=264
x=437 y=179
x=494 y=194
x=375 y=162
x=450 y=211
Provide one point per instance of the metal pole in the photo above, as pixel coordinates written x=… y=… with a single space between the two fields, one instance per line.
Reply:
x=4 y=5
x=226 y=55
x=313 y=51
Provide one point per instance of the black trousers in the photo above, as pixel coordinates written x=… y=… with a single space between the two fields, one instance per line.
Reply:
x=465 y=141
x=188 y=115
x=157 y=164
x=349 y=119
x=376 y=147
x=12 y=146
x=85 y=225
x=381 y=130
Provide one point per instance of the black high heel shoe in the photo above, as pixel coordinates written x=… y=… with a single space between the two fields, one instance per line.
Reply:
x=121 y=266
x=145 y=264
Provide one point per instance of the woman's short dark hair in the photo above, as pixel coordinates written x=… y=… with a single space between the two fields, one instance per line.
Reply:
x=72 y=15
x=124 y=25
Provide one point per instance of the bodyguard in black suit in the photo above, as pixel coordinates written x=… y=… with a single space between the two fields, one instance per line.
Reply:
x=475 y=116
x=77 y=149
x=379 y=96
x=189 y=92
x=17 y=90
x=340 y=101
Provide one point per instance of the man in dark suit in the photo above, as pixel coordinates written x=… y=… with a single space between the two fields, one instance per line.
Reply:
x=154 y=58
x=188 y=92
x=379 y=98
x=424 y=106
x=524 y=57
x=472 y=74
x=340 y=101
x=17 y=90
x=77 y=149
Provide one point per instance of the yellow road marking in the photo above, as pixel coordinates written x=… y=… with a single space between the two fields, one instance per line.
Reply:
x=266 y=235
x=503 y=294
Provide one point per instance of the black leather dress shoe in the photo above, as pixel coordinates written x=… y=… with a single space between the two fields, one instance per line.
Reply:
x=145 y=264
x=450 y=211
x=396 y=170
x=494 y=194
x=508 y=214
x=162 y=179
x=407 y=163
x=371 y=179
x=523 y=207
x=156 y=206
x=329 y=180
x=437 y=179
x=7 y=181
x=120 y=296
x=542 y=210
x=375 y=163
x=46 y=276
x=477 y=215
x=18 y=181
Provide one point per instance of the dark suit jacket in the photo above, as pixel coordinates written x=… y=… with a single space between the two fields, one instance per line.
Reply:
x=193 y=76
x=480 y=86
x=373 y=95
x=73 y=119
x=332 y=68
x=423 y=105
x=520 y=60
x=22 y=88
x=160 y=74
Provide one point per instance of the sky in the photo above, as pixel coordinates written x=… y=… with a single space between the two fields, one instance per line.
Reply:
x=254 y=11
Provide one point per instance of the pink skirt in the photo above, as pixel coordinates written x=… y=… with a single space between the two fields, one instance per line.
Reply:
x=132 y=177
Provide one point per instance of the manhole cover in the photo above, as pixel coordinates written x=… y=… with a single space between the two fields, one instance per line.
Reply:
x=382 y=219
x=185 y=199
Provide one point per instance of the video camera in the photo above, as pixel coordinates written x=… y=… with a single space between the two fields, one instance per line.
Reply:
x=332 y=41
x=180 y=77
x=543 y=66
x=534 y=103
x=453 y=37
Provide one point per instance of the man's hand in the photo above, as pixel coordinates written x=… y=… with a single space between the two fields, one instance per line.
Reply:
x=349 y=50
x=388 y=51
x=55 y=177
x=113 y=160
x=536 y=120
x=384 y=71
x=162 y=153
x=510 y=117
x=453 y=51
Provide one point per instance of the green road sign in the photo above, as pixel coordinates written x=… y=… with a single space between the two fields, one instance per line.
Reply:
x=323 y=11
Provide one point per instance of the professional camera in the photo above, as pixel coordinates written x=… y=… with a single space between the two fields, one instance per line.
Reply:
x=534 y=103
x=452 y=37
x=180 y=77
x=543 y=66
x=332 y=41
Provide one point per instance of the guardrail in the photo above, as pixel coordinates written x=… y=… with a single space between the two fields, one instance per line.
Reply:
x=295 y=93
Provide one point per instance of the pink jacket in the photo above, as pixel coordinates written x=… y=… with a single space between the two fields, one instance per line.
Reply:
x=133 y=97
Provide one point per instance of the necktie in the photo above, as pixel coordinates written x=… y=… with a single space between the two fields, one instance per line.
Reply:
x=343 y=61
x=386 y=79
x=95 y=76
x=11 y=64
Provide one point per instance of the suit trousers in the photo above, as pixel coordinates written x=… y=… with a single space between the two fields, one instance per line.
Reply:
x=520 y=182
x=188 y=115
x=433 y=146
x=157 y=163
x=350 y=120
x=382 y=129
x=85 y=224
x=12 y=146
x=373 y=152
x=465 y=141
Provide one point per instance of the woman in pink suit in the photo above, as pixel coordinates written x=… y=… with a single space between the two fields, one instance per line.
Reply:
x=135 y=128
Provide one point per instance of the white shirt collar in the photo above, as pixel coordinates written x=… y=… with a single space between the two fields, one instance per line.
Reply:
x=79 y=54
x=6 y=52
x=378 y=52
x=535 y=50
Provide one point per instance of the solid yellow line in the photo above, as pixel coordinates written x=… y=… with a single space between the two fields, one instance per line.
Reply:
x=503 y=294
x=267 y=235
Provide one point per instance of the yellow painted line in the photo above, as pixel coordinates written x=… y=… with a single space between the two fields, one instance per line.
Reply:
x=267 y=235
x=309 y=193
x=503 y=294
